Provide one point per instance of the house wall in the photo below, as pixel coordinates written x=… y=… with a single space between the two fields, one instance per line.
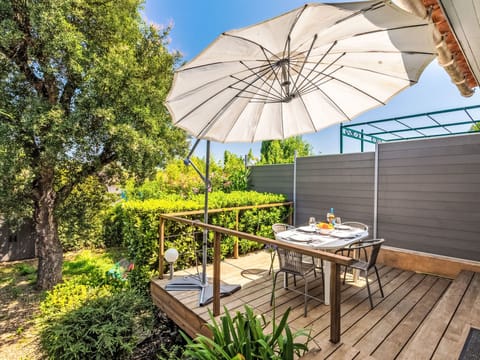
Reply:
x=428 y=192
x=17 y=245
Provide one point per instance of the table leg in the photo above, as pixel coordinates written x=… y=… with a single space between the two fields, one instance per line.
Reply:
x=326 y=281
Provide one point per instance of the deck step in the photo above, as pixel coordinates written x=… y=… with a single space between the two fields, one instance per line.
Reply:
x=442 y=334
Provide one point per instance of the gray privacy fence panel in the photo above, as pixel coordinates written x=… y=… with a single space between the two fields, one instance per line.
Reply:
x=344 y=182
x=277 y=179
x=429 y=195
x=428 y=199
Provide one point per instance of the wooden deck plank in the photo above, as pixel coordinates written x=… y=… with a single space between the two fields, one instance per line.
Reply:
x=427 y=338
x=466 y=316
x=394 y=342
x=367 y=335
x=360 y=309
x=388 y=331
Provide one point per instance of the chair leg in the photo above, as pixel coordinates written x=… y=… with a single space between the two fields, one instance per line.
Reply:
x=368 y=289
x=306 y=297
x=272 y=259
x=273 y=288
x=345 y=274
x=321 y=268
x=378 y=279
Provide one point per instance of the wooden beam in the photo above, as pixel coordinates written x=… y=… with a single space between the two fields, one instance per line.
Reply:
x=425 y=263
x=161 y=248
x=335 y=300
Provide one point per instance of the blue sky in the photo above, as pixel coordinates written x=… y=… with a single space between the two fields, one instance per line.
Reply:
x=197 y=23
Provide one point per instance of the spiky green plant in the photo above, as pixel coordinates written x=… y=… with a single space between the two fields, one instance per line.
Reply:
x=244 y=336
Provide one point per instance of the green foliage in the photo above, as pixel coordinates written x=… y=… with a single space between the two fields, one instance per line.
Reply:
x=244 y=336
x=178 y=181
x=82 y=90
x=283 y=151
x=235 y=173
x=105 y=327
x=136 y=224
x=25 y=269
x=69 y=296
x=81 y=216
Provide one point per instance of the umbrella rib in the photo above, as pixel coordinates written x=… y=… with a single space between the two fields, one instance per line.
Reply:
x=214 y=118
x=311 y=86
x=299 y=14
x=391 y=29
x=305 y=61
x=375 y=6
x=252 y=42
x=207 y=100
x=318 y=63
x=265 y=69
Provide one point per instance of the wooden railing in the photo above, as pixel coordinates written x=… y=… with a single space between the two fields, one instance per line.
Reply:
x=335 y=262
x=214 y=211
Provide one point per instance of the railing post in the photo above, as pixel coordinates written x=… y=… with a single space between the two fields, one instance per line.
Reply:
x=216 y=273
x=335 y=299
x=161 y=247
x=235 y=245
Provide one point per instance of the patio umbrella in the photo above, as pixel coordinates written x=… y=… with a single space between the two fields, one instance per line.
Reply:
x=300 y=72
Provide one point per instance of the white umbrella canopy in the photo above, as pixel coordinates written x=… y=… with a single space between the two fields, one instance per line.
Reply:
x=300 y=72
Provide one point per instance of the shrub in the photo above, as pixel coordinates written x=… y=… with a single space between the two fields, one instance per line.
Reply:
x=81 y=216
x=69 y=296
x=106 y=327
x=244 y=337
x=137 y=225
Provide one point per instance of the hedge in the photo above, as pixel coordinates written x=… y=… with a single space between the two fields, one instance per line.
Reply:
x=135 y=225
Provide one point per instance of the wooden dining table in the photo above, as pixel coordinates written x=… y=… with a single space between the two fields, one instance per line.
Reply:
x=312 y=237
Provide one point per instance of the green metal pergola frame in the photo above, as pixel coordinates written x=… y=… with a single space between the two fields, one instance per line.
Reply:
x=433 y=126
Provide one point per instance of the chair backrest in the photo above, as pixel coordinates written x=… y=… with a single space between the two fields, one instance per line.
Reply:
x=280 y=227
x=372 y=245
x=375 y=244
x=356 y=224
x=289 y=260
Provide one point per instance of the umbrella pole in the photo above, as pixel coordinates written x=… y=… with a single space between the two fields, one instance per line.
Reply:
x=205 y=216
x=201 y=282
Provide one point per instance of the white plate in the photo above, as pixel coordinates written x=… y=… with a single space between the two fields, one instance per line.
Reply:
x=342 y=234
x=342 y=227
x=300 y=238
x=307 y=229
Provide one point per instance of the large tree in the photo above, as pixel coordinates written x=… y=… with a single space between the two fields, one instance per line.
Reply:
x=82 y=90
x=283 y=151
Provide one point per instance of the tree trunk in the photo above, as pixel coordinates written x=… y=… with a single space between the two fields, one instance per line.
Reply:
x=49 y=248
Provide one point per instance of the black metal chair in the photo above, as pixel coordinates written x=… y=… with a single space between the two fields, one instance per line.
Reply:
x=368 y=262
x=279 y=227
x=291 y=263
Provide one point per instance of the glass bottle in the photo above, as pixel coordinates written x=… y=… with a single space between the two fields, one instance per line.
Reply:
x=331 y=217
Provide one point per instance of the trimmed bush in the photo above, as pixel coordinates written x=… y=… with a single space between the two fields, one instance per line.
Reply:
x=135 y=225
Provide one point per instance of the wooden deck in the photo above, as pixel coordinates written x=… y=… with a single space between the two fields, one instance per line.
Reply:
x=421 y=316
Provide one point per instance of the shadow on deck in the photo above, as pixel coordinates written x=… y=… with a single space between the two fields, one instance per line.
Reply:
x=421 y=316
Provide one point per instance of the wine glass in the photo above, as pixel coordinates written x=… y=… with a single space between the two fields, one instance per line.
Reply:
x=312 y=222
